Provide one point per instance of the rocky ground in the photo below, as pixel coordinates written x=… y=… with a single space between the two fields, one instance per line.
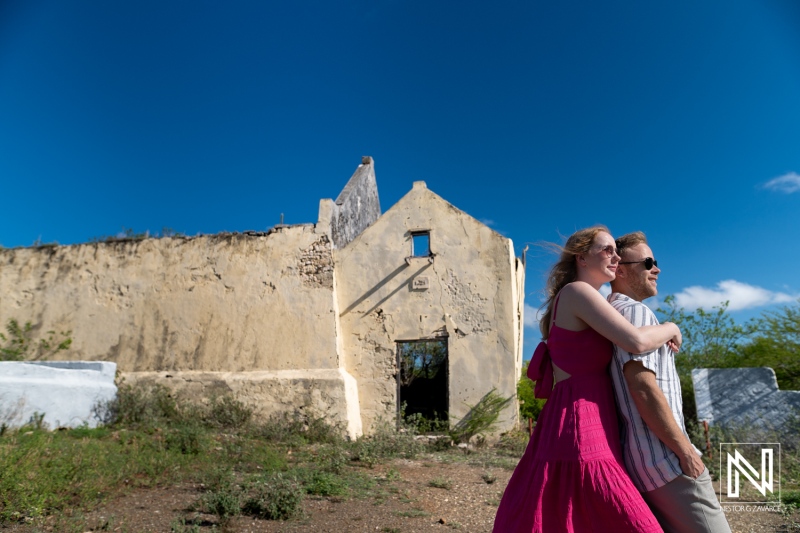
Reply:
x=409 y=496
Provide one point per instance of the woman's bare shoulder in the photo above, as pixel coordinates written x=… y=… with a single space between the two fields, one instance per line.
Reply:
x=578 y=288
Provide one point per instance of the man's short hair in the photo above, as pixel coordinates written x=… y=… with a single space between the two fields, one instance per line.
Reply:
x=629 y=240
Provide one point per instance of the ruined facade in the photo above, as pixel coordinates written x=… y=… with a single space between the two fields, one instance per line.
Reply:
x=301 y=317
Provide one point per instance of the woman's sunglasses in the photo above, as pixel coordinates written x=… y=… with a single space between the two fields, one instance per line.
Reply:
x=649 y=263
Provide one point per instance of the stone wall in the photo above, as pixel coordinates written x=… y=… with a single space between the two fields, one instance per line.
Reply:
x=220 y=303
x=357 y=206
x=746 y=397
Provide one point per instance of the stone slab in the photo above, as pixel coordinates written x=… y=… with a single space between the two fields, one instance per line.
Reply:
x=65 y=392
x=736 y=396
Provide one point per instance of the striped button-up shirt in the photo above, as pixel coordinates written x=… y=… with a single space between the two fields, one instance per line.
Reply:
x=649 y=462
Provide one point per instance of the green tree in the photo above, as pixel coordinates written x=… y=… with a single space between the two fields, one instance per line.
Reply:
x=776 y=344
x=18 y=343
x=529 y=405
x=711 y=339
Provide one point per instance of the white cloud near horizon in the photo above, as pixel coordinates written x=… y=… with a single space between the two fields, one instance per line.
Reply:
x=788 y=183
x=740 y=295
x=530 y=317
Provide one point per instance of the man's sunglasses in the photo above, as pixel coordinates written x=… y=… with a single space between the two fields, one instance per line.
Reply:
x=649 y=263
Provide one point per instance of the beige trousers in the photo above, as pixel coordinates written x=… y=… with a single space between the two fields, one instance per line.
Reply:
x=686 y=505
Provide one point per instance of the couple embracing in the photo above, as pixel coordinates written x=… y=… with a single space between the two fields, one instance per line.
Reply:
x=579 y=472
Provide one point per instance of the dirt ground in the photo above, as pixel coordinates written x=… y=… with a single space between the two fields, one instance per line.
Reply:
x=403 y=501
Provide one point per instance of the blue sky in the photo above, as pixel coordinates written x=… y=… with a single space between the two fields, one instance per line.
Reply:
x=679 y=119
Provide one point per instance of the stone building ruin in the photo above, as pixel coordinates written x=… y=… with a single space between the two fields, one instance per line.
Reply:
x=314 y=317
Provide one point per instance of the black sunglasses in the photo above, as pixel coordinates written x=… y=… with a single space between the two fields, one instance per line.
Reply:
x=649 y=263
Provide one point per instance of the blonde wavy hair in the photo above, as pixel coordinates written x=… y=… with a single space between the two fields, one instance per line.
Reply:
x=566 y=269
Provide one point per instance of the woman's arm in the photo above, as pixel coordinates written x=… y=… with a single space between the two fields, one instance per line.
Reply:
x=588 y=305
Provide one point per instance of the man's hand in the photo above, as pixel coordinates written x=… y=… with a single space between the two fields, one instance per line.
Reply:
x=675 y=342
x=691 y=464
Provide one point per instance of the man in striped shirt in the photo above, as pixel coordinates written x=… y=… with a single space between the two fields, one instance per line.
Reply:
x=662 y=462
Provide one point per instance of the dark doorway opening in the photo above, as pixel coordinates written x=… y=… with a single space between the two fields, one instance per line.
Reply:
x=422 y=382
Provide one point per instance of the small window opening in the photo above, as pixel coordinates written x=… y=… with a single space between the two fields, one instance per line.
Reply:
x=421 y=244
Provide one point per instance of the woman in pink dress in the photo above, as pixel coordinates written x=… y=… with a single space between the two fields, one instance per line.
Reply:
x=572 y=477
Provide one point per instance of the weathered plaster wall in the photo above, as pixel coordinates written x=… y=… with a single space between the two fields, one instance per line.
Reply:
x=474 y=279
x=229 y=303
x=357 y=206
x=329 y=394
x=249 y=313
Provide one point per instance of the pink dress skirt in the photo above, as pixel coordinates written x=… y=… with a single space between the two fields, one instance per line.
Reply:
x=572 y=477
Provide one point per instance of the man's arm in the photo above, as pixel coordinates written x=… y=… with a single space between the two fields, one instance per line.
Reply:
x=655 y=412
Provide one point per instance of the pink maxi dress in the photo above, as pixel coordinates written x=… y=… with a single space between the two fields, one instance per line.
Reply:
x=572 y=477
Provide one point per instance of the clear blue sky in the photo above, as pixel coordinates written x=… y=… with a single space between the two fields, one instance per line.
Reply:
x=681 y=119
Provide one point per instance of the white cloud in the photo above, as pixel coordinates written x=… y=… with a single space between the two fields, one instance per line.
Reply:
x=740 y=295
x=531 y=317
x=788 y=183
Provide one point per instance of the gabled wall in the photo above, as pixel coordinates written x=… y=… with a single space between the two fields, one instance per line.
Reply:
x=473 y=296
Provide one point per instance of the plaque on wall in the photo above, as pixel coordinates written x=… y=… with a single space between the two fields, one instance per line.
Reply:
x=420 y=283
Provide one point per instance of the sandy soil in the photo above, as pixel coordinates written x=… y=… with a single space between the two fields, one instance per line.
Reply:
x=404 y=501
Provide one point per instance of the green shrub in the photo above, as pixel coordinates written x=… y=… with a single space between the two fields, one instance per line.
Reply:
x=385 y=442
x=274 y=498
x=441 y=483
x=142 y=406
x=228 y=412
x=481 y=417
x=321 y=483
x=18 y=343
x=529 y=405
x=514 y=442
x=223 y=497
x=186 y=438
x=297 y=428
x=224 y=501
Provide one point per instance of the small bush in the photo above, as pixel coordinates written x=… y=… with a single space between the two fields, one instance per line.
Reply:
x=325 y=484
x=228 y=412
x=481 y=417
x=441 y=444
x=187 y=438
x=274 y=498
x=223 y=496
x=385 y=443
x=514 y=442
x=224 y=501
x=138 y=406
x=298 y=428
x=441 y=483
x=332 y=459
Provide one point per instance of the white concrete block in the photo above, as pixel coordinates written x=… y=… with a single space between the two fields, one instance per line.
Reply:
x=66 y=392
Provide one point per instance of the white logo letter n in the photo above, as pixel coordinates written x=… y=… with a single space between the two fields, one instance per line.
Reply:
x=740 y=464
